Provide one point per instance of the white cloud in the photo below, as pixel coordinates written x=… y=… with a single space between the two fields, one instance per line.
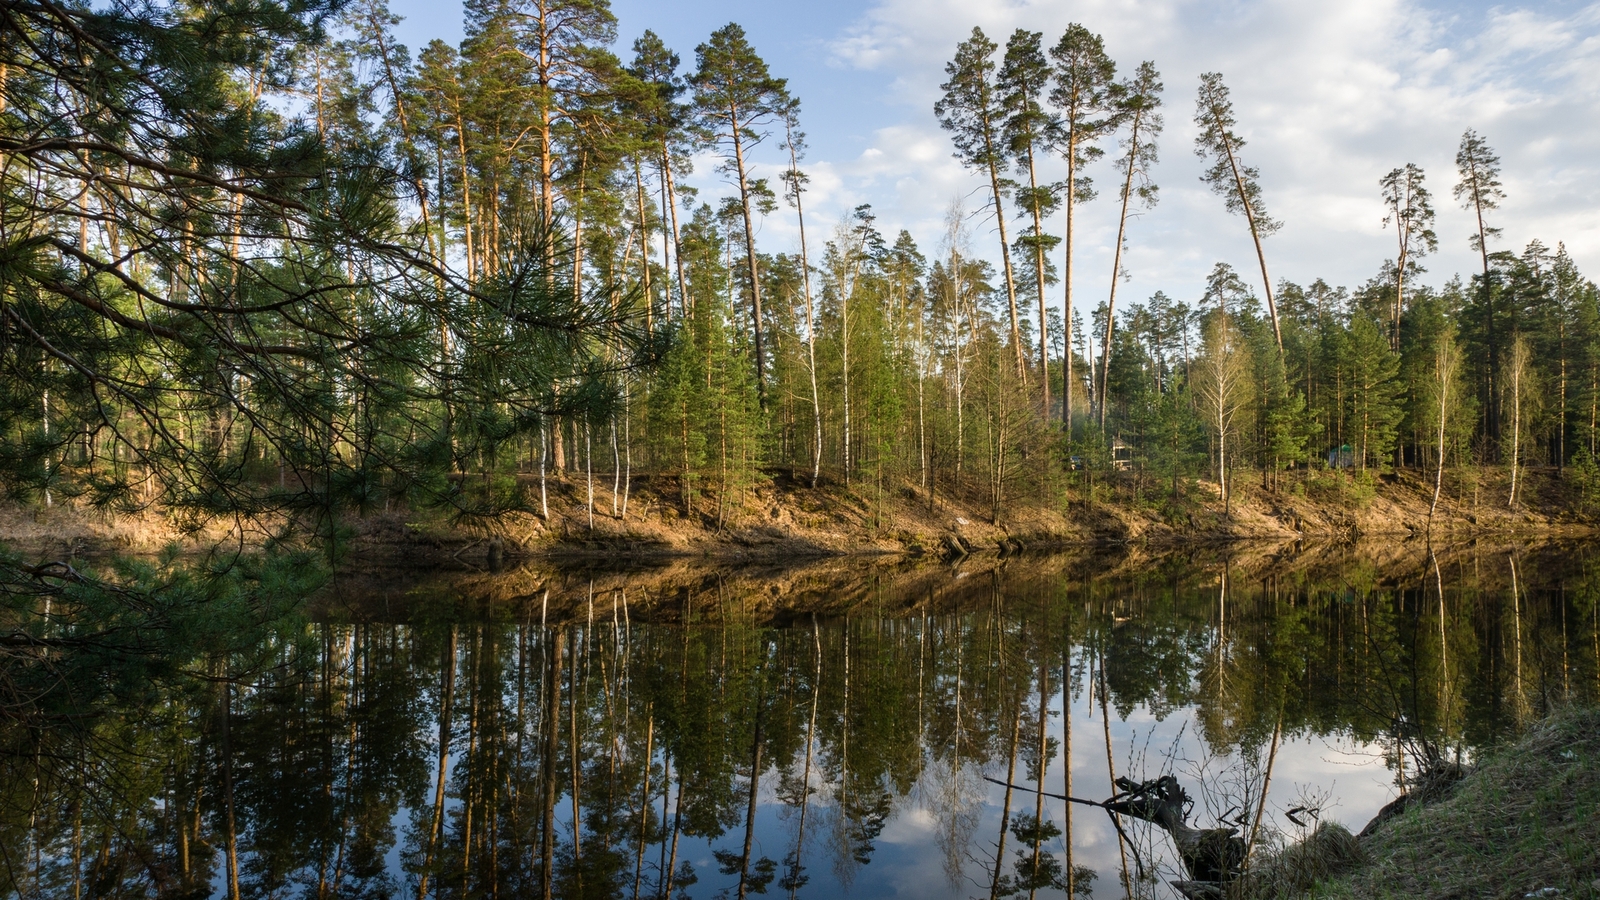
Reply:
x=1329 y=97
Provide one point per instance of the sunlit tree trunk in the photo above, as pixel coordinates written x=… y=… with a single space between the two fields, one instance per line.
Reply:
x=1519 y=368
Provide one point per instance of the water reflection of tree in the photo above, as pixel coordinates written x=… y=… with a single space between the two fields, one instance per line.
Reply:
x=496 y=755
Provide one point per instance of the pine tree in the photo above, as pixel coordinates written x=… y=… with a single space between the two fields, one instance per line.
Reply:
x=1478 y=191
x=972 y=111
x=442 y=106
x=1027 y=131
x=1411 y=210
x=1135 y=102
x=562 y=43
x=736 y=99
x=664 y=123
x=1237 y=183
x=1081 y=95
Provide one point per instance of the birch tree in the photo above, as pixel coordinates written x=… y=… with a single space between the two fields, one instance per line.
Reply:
x=1446 y=373
x=1222 y=387
x=794 y=182
x=1519 y=382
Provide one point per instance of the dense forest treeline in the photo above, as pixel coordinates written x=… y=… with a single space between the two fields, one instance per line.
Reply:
x=274 y=263
x=592 y=736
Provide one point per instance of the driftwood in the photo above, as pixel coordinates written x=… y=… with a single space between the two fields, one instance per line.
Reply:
x=1212 y=857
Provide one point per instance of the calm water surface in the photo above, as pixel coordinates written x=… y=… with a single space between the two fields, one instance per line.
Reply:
x=575 y=733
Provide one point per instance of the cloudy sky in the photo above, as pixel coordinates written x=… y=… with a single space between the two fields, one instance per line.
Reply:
x=1329 y=97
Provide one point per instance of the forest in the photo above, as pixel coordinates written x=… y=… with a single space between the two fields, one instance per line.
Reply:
x=268 y=263
x=263 y=266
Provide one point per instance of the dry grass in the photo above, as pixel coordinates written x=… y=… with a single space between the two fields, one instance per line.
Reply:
x=1328 y=852
x=1528 y=819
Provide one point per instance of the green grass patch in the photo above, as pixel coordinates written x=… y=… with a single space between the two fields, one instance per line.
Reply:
x=1526 y=819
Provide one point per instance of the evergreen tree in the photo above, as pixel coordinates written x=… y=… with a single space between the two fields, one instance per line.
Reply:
x=1374 y=406
x=1027 y=131
x=736 y=99
x=1411 y=210
x=663 y=123
x=567 y=70
x=1135 y=103
x=1237 y=183
x=1081 y=95
x=972 y=110
x=1478 y=191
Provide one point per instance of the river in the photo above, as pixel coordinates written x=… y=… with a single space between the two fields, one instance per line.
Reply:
x=418 y=734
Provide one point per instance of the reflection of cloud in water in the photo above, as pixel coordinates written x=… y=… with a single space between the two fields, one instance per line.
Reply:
x=955 y=816
x=904 y=688
x=914 y=826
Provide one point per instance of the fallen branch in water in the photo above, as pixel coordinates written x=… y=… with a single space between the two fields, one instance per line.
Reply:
x=1213 y=857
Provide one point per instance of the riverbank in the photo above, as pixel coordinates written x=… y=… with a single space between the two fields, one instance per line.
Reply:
x=782 y=517
x=701 y=589
x=1521 y=824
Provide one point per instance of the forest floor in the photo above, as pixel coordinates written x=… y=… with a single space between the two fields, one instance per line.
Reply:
x=781 y=517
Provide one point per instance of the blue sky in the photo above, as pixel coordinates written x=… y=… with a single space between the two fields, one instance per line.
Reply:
x=1329 y=97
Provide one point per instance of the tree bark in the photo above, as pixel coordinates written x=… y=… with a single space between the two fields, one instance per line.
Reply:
x=750 y=257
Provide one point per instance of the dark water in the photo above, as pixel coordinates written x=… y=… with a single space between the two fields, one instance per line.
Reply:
x=440 y=735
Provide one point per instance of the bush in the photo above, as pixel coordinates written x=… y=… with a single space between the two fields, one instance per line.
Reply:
x=1344 y=487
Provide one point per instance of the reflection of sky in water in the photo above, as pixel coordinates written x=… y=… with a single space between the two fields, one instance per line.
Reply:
x=908 y=863
x=885 y=677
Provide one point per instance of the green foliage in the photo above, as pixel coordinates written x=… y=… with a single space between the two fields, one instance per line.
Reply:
x=112 y=636
x=343 y=279
x=1342 y=487
x=1375 y=408
x=1584 y=473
